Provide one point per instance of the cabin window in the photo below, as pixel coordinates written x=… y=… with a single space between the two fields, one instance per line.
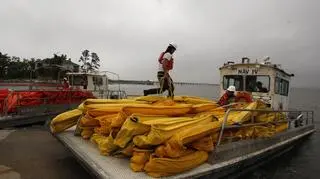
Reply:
x=277 y=86
x=285 y=88
x=235 y=80
x=76 y=80
x=260 y=83
x=97 y=81
x=281 y=86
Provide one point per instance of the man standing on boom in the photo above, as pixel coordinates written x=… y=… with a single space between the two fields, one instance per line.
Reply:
x=165 y=65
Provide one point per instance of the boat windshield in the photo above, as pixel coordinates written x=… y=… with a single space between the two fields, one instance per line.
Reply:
x=77 y=80
x=254 y=83
x=235 y=80
x=97 y=81
x=260 y=83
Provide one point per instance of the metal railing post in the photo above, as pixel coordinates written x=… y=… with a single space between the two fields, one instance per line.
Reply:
x=252 y=119
x=223 y=126
x=278 y=119
x=19 y=104
x=307 y=121
x=45 y=101
x=289 y=122
x=118 y=76
x=6 y=105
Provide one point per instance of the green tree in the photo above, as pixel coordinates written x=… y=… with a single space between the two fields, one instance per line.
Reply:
x=15 y=59
x=50 y=68
x=89 y=62
x=58 y=60
x=84 y=60
x=32 y=63
x=95 y=61
x=4 y=63
x=55 y=60
x=18 y=69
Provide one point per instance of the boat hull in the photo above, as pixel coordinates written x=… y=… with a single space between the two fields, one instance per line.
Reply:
x=227 y=160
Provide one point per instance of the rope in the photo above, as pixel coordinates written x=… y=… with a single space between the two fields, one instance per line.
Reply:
x=170 y=89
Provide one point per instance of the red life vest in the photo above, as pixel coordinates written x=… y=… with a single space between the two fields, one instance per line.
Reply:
x=66 y=85
x=226 y=99
x=223 y=100
x=169 y=64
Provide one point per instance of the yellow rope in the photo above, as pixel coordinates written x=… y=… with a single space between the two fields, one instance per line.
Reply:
x=170 y=89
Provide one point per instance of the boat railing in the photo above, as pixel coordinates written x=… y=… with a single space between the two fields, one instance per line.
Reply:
x=298 y=117
x=111 y=94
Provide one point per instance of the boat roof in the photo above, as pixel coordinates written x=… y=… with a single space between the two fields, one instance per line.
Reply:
x=275 y=67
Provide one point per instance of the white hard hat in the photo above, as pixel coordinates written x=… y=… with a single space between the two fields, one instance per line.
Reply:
x=173 y=45
x=65 y=79
x=232 y=89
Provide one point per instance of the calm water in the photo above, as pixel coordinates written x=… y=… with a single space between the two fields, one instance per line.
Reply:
x=302 y=162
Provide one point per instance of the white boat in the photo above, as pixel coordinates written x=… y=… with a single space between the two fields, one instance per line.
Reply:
x=229 y=158
x=97 y=83
x=30 y=109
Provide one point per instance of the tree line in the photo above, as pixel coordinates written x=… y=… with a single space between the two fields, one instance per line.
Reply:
x=12 y=67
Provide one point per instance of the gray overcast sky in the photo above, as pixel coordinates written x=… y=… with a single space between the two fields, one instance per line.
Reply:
x=128 y=35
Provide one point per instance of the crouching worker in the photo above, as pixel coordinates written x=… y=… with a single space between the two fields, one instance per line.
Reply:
x=165 y=65
x=66 y=84
x=228 y=97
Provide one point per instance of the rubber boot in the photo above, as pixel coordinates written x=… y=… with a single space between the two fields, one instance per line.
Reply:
x=145 y=92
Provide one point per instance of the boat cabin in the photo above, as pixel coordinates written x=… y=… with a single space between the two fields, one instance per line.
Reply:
x=97 y=83
x=264 y=80
x=88 y=81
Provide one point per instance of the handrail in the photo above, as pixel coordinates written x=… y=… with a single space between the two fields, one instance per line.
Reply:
x=118 y=76
x=266 y=110
x=37 y=90
x=223 y=126
x=253 y=124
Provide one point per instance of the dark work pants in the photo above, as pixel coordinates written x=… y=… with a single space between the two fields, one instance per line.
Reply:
x=165 y=84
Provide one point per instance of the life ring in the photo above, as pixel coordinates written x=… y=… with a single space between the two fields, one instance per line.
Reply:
x=243 y=96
